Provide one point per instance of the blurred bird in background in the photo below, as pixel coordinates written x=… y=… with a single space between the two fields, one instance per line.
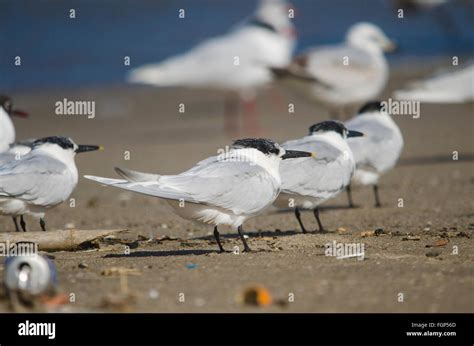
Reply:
x=238 y=62
x=454 y=85
x=345 y=75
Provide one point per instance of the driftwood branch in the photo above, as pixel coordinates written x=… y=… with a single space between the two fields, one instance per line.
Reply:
x=60 y=240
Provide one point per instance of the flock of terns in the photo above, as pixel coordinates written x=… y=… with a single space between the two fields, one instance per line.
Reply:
x=256 y=173
x=226 y=189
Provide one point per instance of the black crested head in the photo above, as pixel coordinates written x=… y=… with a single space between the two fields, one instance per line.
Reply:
x=373 y=106
x=63 y=142
x=6 y=103
x=328 y=125
x=266 y=146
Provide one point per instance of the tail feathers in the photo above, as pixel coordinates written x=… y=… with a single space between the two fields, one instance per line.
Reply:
x=105 y=181
x=135 y=176
x=149 y=188
x=294 y=72
x=289 y=72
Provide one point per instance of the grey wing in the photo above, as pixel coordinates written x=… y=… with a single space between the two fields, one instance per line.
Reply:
x=39 y=180
x=380 y=146
x=326 y=64
x=6 y=158
x=323 y=176
x=237 y=186
x=242 y=187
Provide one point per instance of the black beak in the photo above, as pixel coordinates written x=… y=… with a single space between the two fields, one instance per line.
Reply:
x=352 y=133
x=19 y=113
x=84 y=148
x=392 y=47
x=293 y=154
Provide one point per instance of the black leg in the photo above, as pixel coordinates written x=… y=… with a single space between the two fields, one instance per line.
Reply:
x=241 y=233
x=320 y=225
x=22 y=223
x=298 y=217
x=349 y=196
x=16 y=223
x=218 y=240
x=43 y=225
x=376 y=194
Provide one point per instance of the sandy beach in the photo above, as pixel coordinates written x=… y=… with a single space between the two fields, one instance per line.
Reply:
x=437 y=210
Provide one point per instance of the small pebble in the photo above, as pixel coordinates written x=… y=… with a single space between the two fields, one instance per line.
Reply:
x=83 y=265
x=433 y=253
x=199 y=302
x=153 y=294
x=379 y=231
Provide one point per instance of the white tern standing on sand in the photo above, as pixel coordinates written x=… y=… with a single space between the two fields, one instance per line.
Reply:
x=39 y=180
x=308 y=182
x=222 y=190
x=379 y=149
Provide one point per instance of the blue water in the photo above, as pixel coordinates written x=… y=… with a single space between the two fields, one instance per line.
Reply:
x=57 y=51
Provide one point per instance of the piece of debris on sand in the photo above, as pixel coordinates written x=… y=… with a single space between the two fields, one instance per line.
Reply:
x=433 y=253
x=124 y=299
x=411 y=237
x=256 y=296
x=60 y=240
x=341 y=230
x=454 y=234
x=117 y=271
x=119 y=302
x=259 y=296
x=438 y=243
x=372 y=233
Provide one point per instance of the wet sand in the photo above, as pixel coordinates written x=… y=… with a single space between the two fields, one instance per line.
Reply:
x=437 y=194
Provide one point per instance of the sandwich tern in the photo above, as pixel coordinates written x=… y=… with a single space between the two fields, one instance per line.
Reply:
x=379 y=149
x=7 y=130
x=222 y=190
x=237 y=62
x=308 y=182
x=39 y=180
x=345 y=75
